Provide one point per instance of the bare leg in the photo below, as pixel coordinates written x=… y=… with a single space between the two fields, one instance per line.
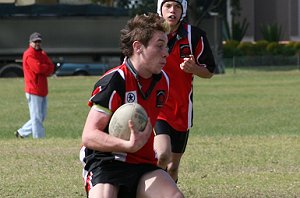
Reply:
x=104 y=191
x=158 y=184
x=173 y=166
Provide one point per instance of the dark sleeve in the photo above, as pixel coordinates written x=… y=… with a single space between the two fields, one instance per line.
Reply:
x=202 y=45
x=105 y=88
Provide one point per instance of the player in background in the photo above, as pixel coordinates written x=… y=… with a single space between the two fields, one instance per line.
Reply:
x=189 y=55
x=114 y=167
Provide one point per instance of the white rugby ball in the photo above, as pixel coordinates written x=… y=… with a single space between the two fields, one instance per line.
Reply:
x=118 y=125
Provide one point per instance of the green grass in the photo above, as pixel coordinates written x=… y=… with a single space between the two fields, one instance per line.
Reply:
x=248 y=103
x=241 y=166
x=245 y=141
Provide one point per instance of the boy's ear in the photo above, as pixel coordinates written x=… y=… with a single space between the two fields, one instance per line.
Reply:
x=137 y=46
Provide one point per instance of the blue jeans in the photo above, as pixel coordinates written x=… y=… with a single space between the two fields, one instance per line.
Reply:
x=38 y=110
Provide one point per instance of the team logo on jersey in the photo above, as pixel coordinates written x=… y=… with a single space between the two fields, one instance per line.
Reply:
x=160 y=98
x=131 y=96
x=185 y=50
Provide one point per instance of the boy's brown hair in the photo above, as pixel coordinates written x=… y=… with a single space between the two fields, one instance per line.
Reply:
x=141 y=28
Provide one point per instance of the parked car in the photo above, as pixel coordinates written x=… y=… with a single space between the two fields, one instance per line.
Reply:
x=80 y=69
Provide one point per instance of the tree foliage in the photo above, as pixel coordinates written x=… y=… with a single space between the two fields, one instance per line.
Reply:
x=144 y=7
x=238 y=27
x=198 y=10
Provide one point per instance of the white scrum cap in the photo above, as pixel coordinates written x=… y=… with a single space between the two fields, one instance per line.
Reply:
x=183 y=4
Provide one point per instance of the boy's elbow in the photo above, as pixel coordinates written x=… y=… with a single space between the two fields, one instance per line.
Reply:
x=85 y=139
x=210 y=75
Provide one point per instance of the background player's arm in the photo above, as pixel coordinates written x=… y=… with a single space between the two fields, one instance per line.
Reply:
x=189 y=65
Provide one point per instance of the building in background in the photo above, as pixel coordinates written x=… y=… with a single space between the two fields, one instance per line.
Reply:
x=75 y=33
x=285 y=13
x=29 y=2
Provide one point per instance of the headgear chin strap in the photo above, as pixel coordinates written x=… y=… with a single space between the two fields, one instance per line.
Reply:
x=183 y=4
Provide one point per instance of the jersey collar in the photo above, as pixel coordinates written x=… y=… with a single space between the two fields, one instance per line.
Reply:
x=155 y=79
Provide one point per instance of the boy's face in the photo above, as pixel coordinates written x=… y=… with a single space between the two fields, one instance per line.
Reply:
x=171 y=12
x=155 y=54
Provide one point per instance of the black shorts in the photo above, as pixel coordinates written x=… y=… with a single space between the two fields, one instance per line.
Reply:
x=124 y=175
x=178 y=138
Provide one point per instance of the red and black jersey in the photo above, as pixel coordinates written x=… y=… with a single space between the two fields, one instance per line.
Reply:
x=178 y=110
x=123 y=85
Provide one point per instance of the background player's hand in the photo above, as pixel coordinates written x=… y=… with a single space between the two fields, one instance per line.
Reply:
x=189 y=64
x=139 y=138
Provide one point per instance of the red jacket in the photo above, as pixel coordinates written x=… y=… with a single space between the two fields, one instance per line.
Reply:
x=37 y=66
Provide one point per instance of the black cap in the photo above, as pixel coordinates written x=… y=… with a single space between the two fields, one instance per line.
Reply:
x=35 y=37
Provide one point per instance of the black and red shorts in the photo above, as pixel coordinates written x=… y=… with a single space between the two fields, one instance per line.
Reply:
x=124 y=175
x=178 y=138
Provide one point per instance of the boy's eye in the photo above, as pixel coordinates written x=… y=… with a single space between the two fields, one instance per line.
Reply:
x=178 y=6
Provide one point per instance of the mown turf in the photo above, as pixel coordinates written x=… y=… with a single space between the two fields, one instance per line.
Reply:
x=245 y=141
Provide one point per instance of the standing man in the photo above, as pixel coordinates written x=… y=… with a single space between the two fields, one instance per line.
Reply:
x=37 y=66
x=190 y=55
x=114 y=167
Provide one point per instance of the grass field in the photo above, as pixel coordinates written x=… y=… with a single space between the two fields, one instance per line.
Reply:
x=245 y=141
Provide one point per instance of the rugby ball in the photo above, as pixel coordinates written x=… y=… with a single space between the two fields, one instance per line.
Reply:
x=118 y=125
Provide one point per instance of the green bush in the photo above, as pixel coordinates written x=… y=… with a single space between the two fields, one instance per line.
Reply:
x=230 y=49
x=296 y=46
x=271 y=32
x=288 y=49
x=246 y=48
x=274 y=48
x=260 y=47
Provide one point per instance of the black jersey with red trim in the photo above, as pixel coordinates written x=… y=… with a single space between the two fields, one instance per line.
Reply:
x=178 y=110
x=122 y=85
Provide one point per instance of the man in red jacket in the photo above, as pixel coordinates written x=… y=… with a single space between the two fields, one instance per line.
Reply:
x=37 y=66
